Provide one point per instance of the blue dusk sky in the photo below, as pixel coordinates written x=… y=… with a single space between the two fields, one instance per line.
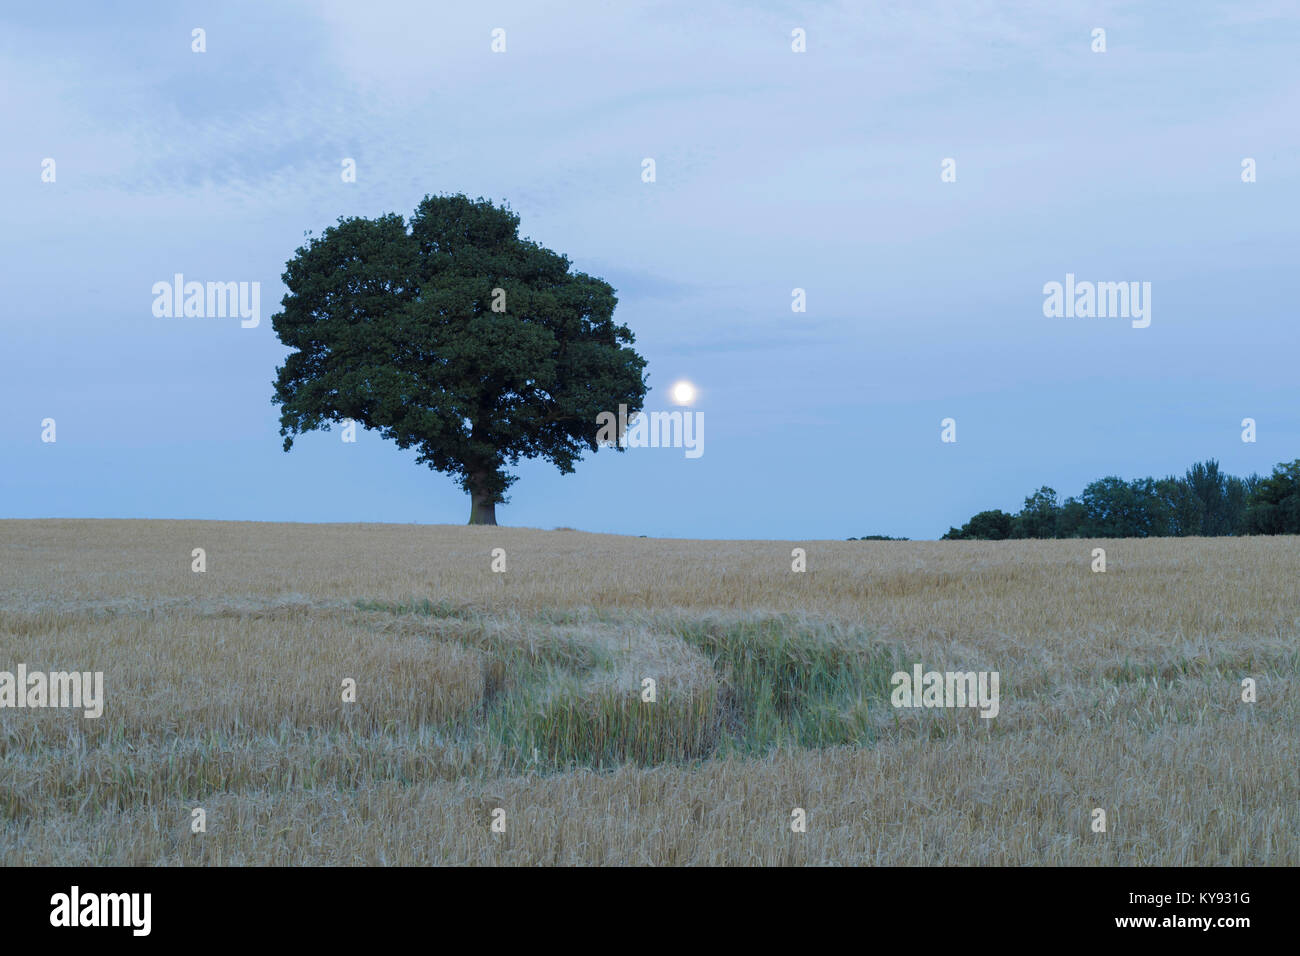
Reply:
x=774 y=170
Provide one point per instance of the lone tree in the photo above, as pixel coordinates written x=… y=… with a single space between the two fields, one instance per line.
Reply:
x=454 y=336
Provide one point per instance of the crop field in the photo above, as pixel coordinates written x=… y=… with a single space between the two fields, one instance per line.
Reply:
x=378 y=694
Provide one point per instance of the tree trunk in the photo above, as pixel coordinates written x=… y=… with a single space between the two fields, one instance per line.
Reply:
x=482 y=509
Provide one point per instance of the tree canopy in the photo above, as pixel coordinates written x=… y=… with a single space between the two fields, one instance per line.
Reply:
x=1204 y=501
x=452 y=335
x=1274 y=508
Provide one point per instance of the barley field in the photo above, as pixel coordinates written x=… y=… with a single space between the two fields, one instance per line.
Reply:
x=517 y=697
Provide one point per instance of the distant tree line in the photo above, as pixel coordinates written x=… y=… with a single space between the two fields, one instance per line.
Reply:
x=877 y=537
x=1203 y=502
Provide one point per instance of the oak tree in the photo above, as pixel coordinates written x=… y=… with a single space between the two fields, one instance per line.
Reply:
x=452 y=335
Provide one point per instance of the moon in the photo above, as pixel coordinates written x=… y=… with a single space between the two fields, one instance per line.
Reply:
x=683 y=393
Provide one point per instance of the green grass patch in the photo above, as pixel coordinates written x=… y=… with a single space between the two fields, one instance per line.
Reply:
x=789 y=683
x=551 y=702
x=424 y=607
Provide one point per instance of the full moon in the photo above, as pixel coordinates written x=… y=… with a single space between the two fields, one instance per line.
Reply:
x=683 y=393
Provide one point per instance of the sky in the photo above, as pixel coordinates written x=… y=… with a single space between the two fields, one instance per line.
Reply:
x=775 y=170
